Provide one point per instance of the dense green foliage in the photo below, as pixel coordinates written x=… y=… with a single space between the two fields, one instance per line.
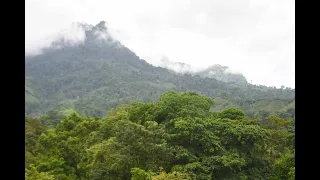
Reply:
x=99 y=75
x=176 y=137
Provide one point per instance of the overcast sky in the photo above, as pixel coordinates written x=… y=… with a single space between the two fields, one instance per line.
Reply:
x=255 y=37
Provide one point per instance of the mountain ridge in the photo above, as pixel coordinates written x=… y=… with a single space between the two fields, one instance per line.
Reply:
x=101 y=73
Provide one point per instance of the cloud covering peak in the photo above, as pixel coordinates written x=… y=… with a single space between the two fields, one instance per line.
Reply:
x=251 y=36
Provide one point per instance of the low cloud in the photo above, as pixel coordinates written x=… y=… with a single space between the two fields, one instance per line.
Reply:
x=72 y=35
x=177 y=67
x=232 y=71
x=102 y=35
x=252 y=36
x=75 y=34
x=183 y=68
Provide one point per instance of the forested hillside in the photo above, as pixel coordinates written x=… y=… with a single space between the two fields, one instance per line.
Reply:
x=176 y=137
x=100 y=74
x=95 y=110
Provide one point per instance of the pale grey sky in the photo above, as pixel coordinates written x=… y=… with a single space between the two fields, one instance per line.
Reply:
x=255 y=37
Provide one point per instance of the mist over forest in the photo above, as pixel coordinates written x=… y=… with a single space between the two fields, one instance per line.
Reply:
x=96 y=110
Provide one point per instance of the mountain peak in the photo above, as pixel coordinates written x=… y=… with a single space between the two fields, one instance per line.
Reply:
x=102 y=25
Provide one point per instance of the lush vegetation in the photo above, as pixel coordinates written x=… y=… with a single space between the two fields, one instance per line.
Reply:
x=97 y=111
x=177 y=137
x=99 y=75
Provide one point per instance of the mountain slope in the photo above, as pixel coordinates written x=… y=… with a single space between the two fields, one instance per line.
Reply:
x=100 y=73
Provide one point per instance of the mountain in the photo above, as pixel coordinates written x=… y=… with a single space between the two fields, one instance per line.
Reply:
x=100 y=73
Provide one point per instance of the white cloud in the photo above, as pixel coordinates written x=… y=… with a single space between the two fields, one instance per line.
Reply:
x=254 y=37
x=232 y=71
